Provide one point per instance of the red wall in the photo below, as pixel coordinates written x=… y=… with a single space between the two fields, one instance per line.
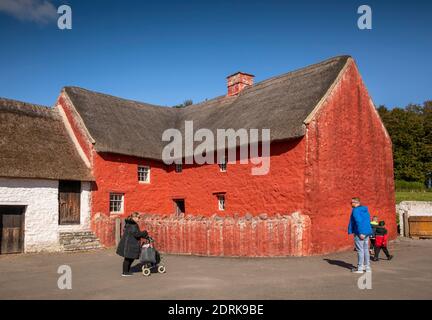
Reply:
x=280 y=191
x=348 y=155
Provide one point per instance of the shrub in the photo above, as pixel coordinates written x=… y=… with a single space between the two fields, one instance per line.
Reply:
x=402 y=185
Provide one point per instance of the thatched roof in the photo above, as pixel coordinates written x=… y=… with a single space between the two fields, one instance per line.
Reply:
x=280 y=104
x=34 y=143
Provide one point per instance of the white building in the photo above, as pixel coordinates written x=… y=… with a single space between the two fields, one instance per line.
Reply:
x=45 y=186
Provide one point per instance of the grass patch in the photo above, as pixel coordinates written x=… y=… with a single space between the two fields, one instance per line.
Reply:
x=413 y=196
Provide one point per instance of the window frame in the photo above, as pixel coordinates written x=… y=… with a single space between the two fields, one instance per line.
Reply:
x=122 y=203
x=148 y=174
x=221 y=196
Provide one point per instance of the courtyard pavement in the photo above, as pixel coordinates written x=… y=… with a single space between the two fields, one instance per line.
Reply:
x=96 y=275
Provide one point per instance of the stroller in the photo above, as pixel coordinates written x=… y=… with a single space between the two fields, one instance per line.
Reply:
x=150 y=258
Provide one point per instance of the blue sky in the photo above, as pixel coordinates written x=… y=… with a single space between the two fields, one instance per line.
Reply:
x=164 y=52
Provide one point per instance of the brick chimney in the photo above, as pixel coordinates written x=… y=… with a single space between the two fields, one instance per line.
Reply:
x=238 y=81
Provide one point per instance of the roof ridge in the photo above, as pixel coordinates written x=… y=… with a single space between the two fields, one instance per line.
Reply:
x=303 y=69
x=32 y=109
x=258 y=85
x=115 y=97
x=23 y=103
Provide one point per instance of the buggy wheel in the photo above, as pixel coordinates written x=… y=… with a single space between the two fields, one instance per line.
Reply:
x=161 y=269
x=146 y=271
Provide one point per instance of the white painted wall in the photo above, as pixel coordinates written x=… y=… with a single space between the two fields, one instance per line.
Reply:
x=413 y=208
x=41 y=231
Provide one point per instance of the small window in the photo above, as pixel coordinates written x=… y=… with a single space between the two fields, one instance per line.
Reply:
x=144 y=174
x=179 y=206
x=116 y=202
x=221 y=202
x=223 y=165
x=178 y=168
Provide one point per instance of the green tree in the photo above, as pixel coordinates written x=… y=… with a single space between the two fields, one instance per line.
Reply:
x=185 y=103
x=410 y=129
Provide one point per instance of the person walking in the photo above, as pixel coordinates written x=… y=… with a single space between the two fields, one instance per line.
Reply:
x=129 y=246
x=381 y=242
x=360 y=226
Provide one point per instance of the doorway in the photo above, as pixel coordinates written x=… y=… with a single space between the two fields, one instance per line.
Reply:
x=12 y=229
x=179 y=206
x=69 y=202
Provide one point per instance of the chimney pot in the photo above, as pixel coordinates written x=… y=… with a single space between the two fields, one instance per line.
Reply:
x=238 y=81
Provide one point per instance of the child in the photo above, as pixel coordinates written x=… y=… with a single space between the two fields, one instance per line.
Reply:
x=381 y=241
x=374 y=225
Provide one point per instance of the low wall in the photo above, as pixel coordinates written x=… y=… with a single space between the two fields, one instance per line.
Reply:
x=282 y=235
x=413 y=208
x=247 y=236
x=103 y=227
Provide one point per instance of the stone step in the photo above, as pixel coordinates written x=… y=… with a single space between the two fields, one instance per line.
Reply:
x=77 y=237
x=80 y=240
x=82 y=248
x=77 y=234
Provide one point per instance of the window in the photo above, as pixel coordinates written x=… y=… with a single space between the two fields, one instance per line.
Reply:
x=179 y=206
x=116 y=202
x=222 y=165
x=178 y=168
x=221 y=202
x=144 y=174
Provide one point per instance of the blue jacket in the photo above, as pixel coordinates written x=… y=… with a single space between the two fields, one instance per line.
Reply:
x=360 y=221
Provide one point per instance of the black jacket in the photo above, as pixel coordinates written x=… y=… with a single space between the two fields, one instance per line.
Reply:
x=130 y=246
x=380 y=231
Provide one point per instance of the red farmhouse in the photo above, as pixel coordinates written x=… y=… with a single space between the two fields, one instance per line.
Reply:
x=328 y=144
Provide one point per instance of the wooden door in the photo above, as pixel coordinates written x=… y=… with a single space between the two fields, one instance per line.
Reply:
x=69 y=202
x=12 y=229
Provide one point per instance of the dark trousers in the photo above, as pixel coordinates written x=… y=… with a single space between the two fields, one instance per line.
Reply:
x=127 y=263
x=372 y=240
x=378 y=249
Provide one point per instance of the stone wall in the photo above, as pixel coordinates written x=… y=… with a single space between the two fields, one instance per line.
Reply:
x=413 y=208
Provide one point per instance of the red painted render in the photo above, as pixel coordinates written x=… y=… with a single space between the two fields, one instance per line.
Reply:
x=280 y=191
x=348 y=154
x=287 y=235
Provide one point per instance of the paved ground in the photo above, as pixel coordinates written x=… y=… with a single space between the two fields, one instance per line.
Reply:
x=96 y=275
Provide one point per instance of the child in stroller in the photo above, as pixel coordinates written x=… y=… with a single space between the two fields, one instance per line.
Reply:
x=150 y=258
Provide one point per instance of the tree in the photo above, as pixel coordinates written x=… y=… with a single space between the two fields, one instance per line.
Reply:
x=410 y=129
x=185 y=103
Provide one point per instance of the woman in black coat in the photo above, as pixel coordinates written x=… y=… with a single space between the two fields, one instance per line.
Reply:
x=130 y=245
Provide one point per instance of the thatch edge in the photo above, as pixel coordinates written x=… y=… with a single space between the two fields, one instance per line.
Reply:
x=320 y=104
x=72 y=136
x=76 y=115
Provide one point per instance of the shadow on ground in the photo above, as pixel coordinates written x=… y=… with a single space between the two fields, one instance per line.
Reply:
x=340 y=263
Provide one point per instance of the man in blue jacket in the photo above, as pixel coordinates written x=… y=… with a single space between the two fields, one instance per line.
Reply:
x=359 y=225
